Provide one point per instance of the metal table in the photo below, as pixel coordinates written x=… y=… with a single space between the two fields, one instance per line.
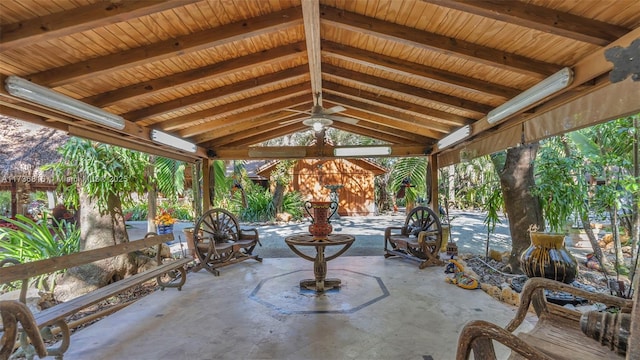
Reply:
x=320 y=283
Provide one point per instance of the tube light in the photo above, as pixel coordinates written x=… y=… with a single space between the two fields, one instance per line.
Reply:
x=454 y=137
x=539 y=91
x=173 y=141
x=362 y=151
x=27 y=90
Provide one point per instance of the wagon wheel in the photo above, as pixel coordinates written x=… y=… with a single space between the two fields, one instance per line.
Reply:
x=424 y=219
x=216 y=226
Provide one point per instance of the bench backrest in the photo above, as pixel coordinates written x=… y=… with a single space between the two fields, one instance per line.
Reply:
x=47 y=266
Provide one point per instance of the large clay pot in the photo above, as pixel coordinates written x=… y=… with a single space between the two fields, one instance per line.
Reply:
x=320 y=212
x=547 y=257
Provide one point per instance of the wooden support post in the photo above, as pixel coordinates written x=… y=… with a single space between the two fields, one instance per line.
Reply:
x=206 y=191
x=14 y=198
x=432 y=183
x=197 y=189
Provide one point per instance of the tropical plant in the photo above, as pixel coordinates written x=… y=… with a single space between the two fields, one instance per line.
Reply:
x=30 y=240
x=259 y=204
x=293 y=203
x=412 y=172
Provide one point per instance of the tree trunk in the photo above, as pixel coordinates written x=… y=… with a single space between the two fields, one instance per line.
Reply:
x=278 y=197
x=98 y=231
x=523 y=209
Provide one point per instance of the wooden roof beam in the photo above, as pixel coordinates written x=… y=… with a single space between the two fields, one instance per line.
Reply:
x=189 y=77
x=396 y=65
x=266 y=131
x=80 y=19
x=311 y=19
x=243 y=121
x=406 y=90
x=225 y=34
x=295 y=74
x=399 y=125
x=403 y=117
x=442 y=120
x=540 y=18
x=438 y=43
x=390 y=135
x=314 y=152
x=397 y=104
x=276 y=133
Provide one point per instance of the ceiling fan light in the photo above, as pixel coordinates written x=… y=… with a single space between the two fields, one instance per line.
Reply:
x=317 y=126
x=317 y=123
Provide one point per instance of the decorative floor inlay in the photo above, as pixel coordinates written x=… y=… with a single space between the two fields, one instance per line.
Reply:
x=283 y=294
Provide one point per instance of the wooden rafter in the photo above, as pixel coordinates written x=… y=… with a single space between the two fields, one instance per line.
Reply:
x=384 y=133
x=393 y=103
x=298 y=73
x=404 y=67
x=225 y=34
x=199 y=75
x=434 y=42
x=405 y=89
x=403 y=117
x=80 y=19
x=245 y=120
x=266 y=130
x=539 y=18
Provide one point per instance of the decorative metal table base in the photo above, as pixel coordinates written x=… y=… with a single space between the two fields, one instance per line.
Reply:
x=320 y=283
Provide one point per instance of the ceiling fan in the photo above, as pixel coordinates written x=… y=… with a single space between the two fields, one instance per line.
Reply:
x=320 y=118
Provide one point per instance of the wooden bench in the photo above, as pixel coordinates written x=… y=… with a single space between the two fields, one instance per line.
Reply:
x=418 y=239
x=556 y=335
x=57 y=315
x=220 y=241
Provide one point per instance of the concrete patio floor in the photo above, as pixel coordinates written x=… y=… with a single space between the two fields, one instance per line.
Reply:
x=386 y=309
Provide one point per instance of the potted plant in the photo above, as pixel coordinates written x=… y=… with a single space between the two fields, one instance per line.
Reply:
x=547 y=256
x=164 y=221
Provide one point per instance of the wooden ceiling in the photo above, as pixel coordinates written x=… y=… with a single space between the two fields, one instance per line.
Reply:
x=227 y=75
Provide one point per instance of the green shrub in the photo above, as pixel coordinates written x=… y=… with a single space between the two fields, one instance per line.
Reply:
x=293 y=204
x=37 y=240
x=259 y=205
x=138 y=212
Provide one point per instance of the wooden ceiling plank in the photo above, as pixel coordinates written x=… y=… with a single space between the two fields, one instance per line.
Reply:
x=406 y=90
x=398 y=105
x=80 y=19
x=433 y=42
x=270 y=135
x=381 y=115
x=395 y=65
x=241 y=121
x=441 y=120
x=270 y=127
x=393 y=114
x=189 y=77
x=209 y=96
x=225 y=34
x=311 y=19
x=540 y=18
x=394 y=138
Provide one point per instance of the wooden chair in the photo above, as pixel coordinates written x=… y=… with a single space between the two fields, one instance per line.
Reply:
x=556 y=335
x=219 y=241
x=418 y=239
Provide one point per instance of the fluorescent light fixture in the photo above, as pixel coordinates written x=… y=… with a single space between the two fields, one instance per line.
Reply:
x=173 y=141
x=27 y=90
x=539 y=91
x=362 y=151
x=454 y=137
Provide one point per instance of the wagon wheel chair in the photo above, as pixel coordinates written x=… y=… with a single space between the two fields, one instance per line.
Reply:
x=424 y=224
x=218 y=240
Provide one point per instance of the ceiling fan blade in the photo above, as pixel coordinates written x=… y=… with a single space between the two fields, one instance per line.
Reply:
x=343 y=119
x=298 y=111
x=333 y=110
